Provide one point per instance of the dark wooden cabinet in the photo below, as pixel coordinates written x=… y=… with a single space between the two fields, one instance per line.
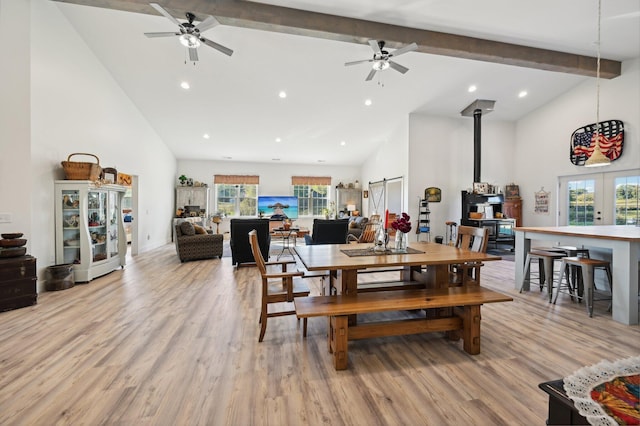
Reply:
x=562 y=410
x=17 y=282
x=512 y=208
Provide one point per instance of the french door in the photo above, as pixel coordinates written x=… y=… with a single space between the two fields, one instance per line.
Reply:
x=599 y=199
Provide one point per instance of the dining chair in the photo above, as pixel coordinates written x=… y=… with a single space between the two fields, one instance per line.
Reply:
x=277 y=287
x=472 y=239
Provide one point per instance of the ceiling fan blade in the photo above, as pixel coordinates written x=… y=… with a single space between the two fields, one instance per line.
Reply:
x=375 y=46
x=217 y=46
x=346 y=64
x=166 y=14
x=193 y=54
x=165 y=34
x=370 y=76
x=398 y=67
x=407 y=48
x=207 y=24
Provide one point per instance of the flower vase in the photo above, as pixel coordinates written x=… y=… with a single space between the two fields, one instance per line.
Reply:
x=401 y=242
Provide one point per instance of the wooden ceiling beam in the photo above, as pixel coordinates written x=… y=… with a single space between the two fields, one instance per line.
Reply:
x=248 y=14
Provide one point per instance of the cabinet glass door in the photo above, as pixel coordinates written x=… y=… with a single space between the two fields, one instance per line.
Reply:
x=114 y=217
x=97 y=214
x=71 y=226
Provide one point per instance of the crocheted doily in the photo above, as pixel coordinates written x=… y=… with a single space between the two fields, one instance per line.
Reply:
x=579 y=385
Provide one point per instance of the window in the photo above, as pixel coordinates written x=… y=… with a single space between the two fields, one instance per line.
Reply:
x=237 y=200
x=236 y=195
x=627 y=202
x=312 y=199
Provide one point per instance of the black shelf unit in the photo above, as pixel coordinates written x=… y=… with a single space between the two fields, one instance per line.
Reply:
x=424 y=223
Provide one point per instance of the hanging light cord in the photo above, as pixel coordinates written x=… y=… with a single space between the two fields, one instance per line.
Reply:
x=598 y=78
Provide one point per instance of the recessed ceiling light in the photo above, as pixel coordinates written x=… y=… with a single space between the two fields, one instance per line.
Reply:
x=206 y=136
x=320 y=161
x=368 y=102
x=275 y=159
x=342 y=143
x=522 y=94
x=282 y=94
x=185 y=85
x=278 y=140
x=227 y=158
x=472 y=88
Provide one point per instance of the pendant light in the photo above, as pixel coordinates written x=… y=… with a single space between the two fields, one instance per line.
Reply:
x=597 y=158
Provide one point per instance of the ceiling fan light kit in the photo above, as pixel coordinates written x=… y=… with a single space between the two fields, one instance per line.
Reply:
x=382 y=58
x=190 y=34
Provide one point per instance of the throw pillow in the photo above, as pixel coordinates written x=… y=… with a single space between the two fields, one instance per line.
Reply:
x=353 y=224
x=187 y=228
x=199 y=229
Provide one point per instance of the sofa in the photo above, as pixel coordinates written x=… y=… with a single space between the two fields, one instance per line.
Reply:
x=193 y=242
x=240 y=247
x=357 y=225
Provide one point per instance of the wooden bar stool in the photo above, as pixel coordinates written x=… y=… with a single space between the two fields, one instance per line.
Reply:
x=545 y=274
x=573 y=270
x=588 y=267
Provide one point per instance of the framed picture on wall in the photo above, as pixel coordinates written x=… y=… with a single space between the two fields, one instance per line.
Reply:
x=512 y=191
x=481 y=187
x=433 y=194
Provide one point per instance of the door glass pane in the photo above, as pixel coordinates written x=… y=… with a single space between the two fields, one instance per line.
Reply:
x=581 y=202
x=114 y=218
x=626 y=200
x=71 y=226
x=97 y=222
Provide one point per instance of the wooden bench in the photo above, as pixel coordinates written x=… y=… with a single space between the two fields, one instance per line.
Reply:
x=464 y=302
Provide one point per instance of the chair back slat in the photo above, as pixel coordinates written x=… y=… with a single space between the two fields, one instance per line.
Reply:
x=472 y=238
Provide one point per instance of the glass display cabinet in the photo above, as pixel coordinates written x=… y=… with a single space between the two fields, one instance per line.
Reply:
x=89 y=228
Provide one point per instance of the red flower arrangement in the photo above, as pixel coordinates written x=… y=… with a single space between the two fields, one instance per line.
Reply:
x=402 y=224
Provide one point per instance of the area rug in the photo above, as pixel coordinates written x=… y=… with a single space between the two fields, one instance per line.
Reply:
x=274 y=249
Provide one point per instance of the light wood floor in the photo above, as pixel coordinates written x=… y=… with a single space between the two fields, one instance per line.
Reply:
x=165 y=343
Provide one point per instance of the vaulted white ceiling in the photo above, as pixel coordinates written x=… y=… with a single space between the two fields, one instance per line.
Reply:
x=235 y=99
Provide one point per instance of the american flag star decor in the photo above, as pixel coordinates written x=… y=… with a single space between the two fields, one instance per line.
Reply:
x=583 y=141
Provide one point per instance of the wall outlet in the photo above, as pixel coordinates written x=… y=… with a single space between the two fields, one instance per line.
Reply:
x=5 y=218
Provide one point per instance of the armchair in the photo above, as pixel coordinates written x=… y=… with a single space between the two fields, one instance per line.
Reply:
x=194 y=246
x=326 y=231
x=239 y=243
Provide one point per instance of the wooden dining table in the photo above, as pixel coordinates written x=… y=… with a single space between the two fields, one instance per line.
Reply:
x=623 y=242
x=344 y=268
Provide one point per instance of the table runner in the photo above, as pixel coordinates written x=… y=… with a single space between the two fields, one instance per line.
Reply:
x=607 y=393
x=370 y=252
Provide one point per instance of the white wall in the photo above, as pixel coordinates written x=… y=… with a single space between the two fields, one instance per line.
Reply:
x=275 y=179
x=76 y=106
x=15 y=149
x=441 y=155
x=390 y=160
x=543 y=137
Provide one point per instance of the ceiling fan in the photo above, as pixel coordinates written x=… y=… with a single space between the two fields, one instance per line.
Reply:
x=382 y=59
x=190 y=35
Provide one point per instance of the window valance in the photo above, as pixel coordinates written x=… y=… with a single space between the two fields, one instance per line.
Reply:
x=237 y=179
x=310 y=180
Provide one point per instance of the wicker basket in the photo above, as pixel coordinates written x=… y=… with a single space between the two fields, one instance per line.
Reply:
x=75 y=170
